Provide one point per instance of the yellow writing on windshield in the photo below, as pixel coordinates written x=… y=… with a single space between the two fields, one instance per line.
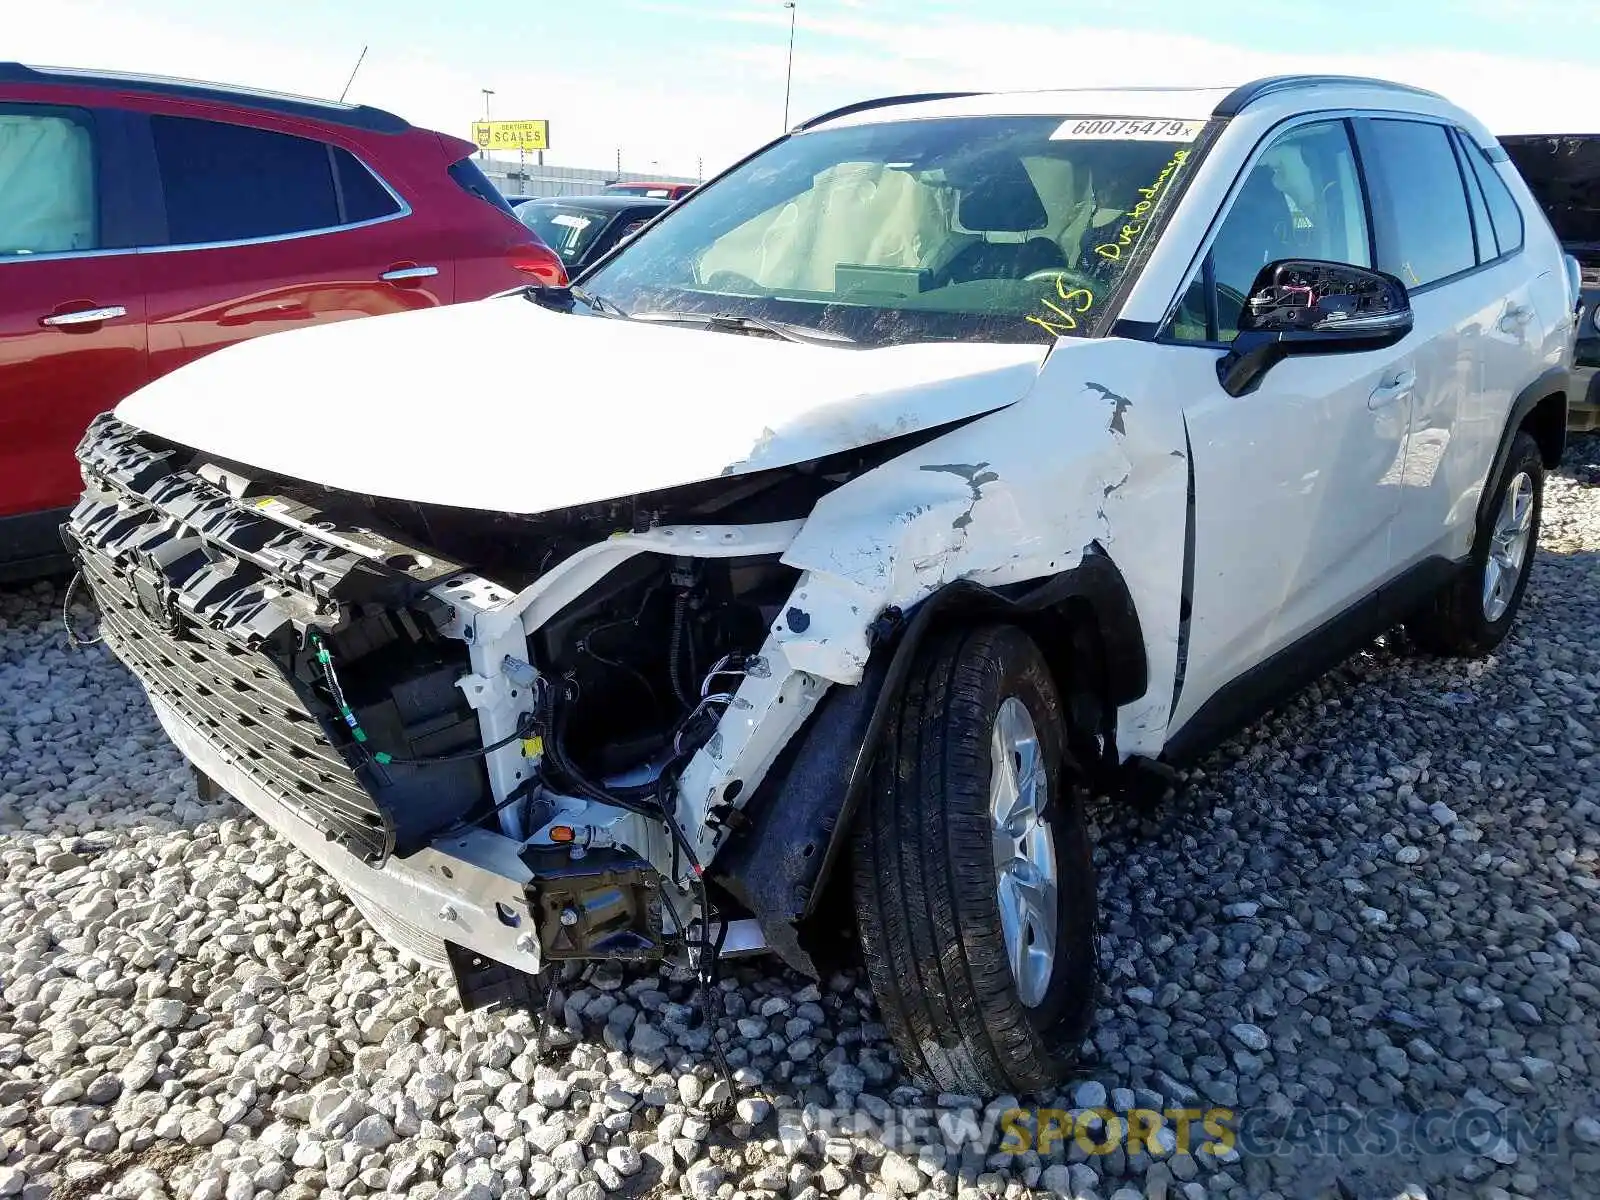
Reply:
x=1063 y=320
x=1139 y=215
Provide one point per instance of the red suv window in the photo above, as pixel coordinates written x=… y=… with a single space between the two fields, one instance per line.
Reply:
x=227 y=183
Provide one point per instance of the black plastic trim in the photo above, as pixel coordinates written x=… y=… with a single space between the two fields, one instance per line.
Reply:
x=807 y=802
x=1186 y=593
x=353 y=116
x=1282 y=676
x=1155 y=228
x=31 y=546
x=1553 y=382
x=881 y=102
x=1241 y=97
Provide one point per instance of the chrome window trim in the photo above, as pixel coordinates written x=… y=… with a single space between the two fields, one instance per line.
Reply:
x=57 y=255
x=403 y=212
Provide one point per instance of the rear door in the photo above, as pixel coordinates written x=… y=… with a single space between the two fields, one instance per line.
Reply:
x=1475 y=323
x=268 y=230
x=72 y=332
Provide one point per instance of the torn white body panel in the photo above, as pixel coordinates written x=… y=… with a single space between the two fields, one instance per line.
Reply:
x=979 y=503
x=676 y=406
x=1093 y=454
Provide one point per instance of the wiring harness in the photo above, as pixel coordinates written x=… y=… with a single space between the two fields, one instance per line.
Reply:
x=653 y=800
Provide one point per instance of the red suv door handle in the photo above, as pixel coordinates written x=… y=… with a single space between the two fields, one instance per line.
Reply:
x=85 y=316
x=403 y=273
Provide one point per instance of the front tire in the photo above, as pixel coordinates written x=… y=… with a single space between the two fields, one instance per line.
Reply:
x=1472 y=614
x=973 y=878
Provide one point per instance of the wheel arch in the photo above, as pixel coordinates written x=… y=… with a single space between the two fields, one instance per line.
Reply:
x=795 y=831
x=1541 y=409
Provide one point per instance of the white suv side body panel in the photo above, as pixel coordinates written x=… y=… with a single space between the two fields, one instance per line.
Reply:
x=1292 y=521
x=1296 y=494
x=1479 y=355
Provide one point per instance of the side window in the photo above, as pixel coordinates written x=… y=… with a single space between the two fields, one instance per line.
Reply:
x=1504 y=211
x=47 y=182
x=1302 y=198
x=1431 y=237
x=361 y=196
x=226 y=183
x=1488 y=250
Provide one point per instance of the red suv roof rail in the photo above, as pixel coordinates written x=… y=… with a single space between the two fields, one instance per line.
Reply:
x=356 y=116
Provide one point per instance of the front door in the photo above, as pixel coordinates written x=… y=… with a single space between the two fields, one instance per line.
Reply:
x=1296 y=484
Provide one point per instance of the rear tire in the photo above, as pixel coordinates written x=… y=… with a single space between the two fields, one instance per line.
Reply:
x=932 y=860
x=1472 y=614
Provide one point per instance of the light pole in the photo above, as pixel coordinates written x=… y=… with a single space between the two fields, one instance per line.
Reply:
x=487 y=92
x=788 y=70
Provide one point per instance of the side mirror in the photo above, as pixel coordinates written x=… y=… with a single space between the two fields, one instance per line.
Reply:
x=1305 y=306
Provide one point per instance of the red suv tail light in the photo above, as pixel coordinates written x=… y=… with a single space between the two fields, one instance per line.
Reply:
x=541 y=263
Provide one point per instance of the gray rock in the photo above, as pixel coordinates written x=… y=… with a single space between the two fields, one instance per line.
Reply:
x=900 y=1175
x=624 y=1160
x=1251 y=1037
x=200 y=1129
x=1090 y=1094
x=166 y=1012
x=701 y=1179
x=374 y=1132
x=552 y=1091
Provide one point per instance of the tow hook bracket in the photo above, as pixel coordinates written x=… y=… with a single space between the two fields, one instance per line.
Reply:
x=604 y=905
x=481 y=982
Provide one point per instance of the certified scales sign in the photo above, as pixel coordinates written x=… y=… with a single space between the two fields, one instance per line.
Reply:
x=512 y=135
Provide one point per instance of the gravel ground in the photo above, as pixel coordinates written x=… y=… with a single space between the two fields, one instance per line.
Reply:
x=1381 y=901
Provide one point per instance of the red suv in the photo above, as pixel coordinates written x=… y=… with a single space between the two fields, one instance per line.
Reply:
x=146 y=222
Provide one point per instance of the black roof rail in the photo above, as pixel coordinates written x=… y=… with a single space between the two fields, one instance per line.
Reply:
x=1234 y=102
x=356 y=116
x=883 y=102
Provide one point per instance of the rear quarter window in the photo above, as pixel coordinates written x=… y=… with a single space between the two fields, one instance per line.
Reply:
x=1505 y=214
x=469 y=179
x=361 y=196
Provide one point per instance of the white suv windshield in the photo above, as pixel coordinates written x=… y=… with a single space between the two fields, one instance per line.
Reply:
x=997 y=228
x=1001 y=229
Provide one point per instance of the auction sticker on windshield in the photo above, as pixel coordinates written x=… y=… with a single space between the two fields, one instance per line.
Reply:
x=1126 y=129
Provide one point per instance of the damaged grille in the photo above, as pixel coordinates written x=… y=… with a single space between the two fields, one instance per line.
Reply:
x=207 y=582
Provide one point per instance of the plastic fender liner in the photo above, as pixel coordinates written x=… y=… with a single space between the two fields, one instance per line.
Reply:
x=796 y=827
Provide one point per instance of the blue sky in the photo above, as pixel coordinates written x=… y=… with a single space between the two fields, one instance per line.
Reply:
x=672 y=82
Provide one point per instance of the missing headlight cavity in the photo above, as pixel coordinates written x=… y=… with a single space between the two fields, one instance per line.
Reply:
x=645 y=653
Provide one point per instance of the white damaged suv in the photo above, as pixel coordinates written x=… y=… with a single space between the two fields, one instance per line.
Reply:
x=945 y=461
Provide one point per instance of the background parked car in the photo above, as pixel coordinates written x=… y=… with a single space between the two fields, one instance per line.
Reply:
x=1563 y=172
x=656 y=191
x=583 y=228
x=145 y=222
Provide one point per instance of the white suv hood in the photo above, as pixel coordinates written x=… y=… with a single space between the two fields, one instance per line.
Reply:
x=506 y=406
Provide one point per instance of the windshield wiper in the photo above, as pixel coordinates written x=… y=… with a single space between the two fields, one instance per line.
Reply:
x=738 y=323
x=599 y=303
x=560 y=299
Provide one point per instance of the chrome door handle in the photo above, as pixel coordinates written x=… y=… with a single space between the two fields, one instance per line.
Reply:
x=86 y=316
x=1391 y=390
x=400 y=273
